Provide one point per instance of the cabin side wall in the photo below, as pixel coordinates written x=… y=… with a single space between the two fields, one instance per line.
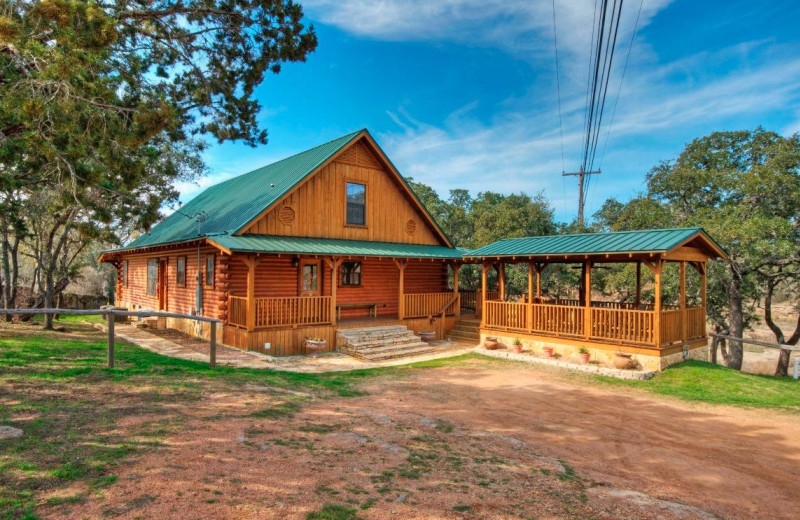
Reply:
x=180 y=299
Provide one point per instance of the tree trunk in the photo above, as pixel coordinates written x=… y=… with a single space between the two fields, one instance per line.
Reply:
x=783 y=359
x=735 y=354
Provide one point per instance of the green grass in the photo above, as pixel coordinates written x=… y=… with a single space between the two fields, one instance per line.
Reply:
x=60 y=393
x=333 y=512
x=705 y=382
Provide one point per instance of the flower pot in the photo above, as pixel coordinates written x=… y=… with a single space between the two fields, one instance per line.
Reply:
x=427 y=335
x=548 y=351
x=584 y=358
x=490 y=343
x=316 y=345
x=518 y=349
x=623 y=361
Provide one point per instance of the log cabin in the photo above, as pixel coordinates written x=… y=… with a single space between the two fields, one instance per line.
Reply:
x=332 y=242
x=329 y=239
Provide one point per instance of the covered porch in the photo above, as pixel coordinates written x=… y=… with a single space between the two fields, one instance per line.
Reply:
x=277 y=299
x=649 y=327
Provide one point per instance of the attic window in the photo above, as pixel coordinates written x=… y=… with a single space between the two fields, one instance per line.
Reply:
x=356 y=204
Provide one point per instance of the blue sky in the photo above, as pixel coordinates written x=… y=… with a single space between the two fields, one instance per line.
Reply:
x=462 y=93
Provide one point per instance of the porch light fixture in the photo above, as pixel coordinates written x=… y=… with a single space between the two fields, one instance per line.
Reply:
x=295 y=261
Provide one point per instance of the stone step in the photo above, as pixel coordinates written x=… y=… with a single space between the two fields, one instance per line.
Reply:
x=360 y=345
x=381 y=343
x=423 y=348
x=391 y=348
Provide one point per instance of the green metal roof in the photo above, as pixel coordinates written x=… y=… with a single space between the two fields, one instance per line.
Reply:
x=329 y=246
x=230 y=205
x=646 y=241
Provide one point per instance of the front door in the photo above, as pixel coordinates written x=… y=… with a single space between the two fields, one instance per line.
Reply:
x=162 y=284
x=310 y=279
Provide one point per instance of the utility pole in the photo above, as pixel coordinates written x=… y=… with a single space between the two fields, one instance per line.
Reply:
x=580 y=174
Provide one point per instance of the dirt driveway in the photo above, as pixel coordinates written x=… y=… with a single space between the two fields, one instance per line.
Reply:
x=463 y=442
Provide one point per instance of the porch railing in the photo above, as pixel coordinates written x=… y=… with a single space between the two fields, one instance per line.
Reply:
x=615 y=325
x=237 y=310
x=293 y=310
x=282 y=311
x=422 y=305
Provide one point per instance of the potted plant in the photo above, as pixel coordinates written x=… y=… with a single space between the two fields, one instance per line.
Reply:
x=548 y=352
x=623 y=361
x=517 y=346
x=427 y=335
x=490 y=343
x=583 y=353
x=315 y=344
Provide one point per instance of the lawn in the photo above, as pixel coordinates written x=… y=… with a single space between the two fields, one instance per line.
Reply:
x=56 y=388
x=81 y=420
x=714 y=384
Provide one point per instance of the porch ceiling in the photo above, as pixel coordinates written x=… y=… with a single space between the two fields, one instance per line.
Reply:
x=332 y=247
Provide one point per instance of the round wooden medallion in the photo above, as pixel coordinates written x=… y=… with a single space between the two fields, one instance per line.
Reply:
x=411 y=226
x=286 y=215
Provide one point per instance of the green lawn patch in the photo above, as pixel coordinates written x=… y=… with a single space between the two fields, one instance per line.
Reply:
x=705 y=382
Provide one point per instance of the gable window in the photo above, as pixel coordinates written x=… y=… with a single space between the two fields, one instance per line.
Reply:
x=356 y=204
x=125 y=273
x=210 y=271
x=152 y=276
x=351 y=274
x=180 y=271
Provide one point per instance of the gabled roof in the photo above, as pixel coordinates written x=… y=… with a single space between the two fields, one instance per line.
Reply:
x=646 y=241
x=330 y=246
x=231 y=204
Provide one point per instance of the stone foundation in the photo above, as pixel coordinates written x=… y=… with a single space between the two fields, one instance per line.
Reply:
x=645 y=361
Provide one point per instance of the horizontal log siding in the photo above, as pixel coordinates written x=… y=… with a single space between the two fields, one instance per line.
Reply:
x=179 y=299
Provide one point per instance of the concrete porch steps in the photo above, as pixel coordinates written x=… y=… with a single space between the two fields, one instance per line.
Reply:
x=466 y=330
x=382 y=343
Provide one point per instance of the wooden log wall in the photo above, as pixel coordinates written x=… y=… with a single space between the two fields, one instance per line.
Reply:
x=277 y=277
x=179 y=299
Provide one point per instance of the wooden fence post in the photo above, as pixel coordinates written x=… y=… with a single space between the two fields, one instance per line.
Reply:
x=714 y=341
x=212 y=352
x=110 y=356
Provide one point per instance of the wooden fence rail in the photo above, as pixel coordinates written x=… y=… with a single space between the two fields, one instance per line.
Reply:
x=715 y=339
x=111 y=313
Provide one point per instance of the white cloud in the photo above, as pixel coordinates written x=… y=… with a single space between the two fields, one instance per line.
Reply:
x=520 y=149
x=516 y=26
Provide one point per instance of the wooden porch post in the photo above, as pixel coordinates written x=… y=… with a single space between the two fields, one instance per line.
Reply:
x=539 y=269
x=587 y=294
x=401 y=303
x=657 y=304
x=638 y=283
x=250 y=320
x=684 y=314
x=529 y=308
x=456 y=268
x=702 y=266
x=334 y=264
x=484 y=270
x=501 y=280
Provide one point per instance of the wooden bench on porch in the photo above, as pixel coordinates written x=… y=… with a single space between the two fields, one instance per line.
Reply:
x=373 y=308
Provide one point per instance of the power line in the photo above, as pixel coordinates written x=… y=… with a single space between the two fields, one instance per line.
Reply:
x=619 y=90
x=558 y=88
